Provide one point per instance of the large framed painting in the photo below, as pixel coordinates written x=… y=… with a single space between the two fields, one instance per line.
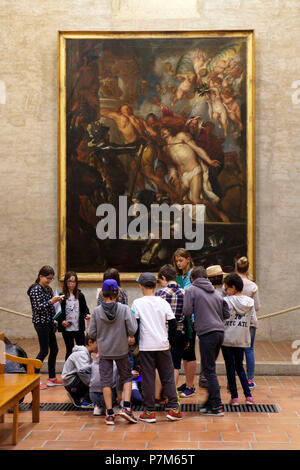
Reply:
x=156 y=150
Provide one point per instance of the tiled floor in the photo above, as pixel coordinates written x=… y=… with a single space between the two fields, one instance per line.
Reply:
x=81 y=430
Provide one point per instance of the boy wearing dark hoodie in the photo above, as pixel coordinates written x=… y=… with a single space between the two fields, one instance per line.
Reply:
x=210 y=310
x=112 y=323
x=237 y=335
x=76 y=373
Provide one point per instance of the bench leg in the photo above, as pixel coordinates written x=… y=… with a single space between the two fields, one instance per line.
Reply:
x=36 y=404
x=2 y=418
x=15 y=424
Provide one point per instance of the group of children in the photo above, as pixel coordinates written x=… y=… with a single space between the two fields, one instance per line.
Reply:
x=134 y=346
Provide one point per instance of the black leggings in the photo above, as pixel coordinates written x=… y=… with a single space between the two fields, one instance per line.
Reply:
x=70 y=337
x=47 y=340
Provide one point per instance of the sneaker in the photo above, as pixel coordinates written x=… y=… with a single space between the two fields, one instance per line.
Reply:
x=98 y=411
x=127 y=414
x=234 y=402
x=250 y=401
x=86 y=405
x=148 y=417
x=43 y=386
x=53 y=382
x=74 y=399
x=110 y=419
x=181 y=388
x=204 y=407
x=212 y=411
x=174 y=415
x=188 y=392
x=251 y=384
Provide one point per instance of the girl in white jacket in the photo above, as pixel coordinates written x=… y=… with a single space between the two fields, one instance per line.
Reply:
x=237 y=335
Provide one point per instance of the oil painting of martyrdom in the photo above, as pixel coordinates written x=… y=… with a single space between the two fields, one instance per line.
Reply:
x=156 y=120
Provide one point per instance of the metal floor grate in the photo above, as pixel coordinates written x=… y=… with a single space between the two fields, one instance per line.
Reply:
x=185 y=407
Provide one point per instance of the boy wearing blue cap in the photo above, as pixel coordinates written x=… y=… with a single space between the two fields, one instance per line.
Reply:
x=157 y=329
x=112 y=323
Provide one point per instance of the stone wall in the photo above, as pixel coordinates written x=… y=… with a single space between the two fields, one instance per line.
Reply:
x=28 y=133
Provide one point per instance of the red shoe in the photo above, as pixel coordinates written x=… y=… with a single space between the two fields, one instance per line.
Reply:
x=43 y=386
x=148 y=417
x=174 y=415
x=234 y=401
x=250 y=401
x=53 y=382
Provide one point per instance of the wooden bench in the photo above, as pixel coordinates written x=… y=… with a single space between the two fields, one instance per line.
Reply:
x=13 y=387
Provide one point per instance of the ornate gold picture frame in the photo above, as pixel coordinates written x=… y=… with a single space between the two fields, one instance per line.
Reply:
x=152 y=118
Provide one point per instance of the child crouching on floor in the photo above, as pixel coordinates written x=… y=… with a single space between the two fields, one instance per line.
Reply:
x=76 y=372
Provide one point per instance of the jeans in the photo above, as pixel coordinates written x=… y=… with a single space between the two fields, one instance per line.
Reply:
x=249 y=354
x=70 y=337
x=233 y=358
x=210 y=345
x=47 y=340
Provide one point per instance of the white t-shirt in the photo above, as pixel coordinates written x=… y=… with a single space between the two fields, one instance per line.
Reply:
x=153 y=313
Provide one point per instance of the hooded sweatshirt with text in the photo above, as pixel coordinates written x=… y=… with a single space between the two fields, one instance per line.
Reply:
x=237 y=327
x=111 y=324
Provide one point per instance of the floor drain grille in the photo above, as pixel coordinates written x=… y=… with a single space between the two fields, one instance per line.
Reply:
x=185 y=407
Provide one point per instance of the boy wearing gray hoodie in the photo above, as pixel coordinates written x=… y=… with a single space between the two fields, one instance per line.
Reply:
x=112 y=323
x=210 y=310
x=237 y=335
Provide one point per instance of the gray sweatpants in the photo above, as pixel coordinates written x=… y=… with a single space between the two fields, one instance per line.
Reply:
x=162 y=361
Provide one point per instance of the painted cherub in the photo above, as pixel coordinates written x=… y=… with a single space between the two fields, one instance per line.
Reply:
x=200 y=65
x=216 y=109
x=232 y=107
x=185 y=88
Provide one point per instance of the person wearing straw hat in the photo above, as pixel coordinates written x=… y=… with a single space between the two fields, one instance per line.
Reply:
x=215 y=274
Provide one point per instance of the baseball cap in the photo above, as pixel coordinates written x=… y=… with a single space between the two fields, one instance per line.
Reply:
x=110 y=284
x=147 y=278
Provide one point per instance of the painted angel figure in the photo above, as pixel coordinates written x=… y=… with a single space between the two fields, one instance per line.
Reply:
x=200 y=65
x=186 y=87
x=232 y=107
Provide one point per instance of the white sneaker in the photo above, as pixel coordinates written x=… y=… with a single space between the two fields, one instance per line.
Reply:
x=98 y=411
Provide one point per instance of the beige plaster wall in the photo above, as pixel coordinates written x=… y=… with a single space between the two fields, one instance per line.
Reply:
x=28 y=136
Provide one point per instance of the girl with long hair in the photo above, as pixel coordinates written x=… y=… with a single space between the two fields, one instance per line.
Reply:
x=43 y=311
x=183 y=264
x=74 y=312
